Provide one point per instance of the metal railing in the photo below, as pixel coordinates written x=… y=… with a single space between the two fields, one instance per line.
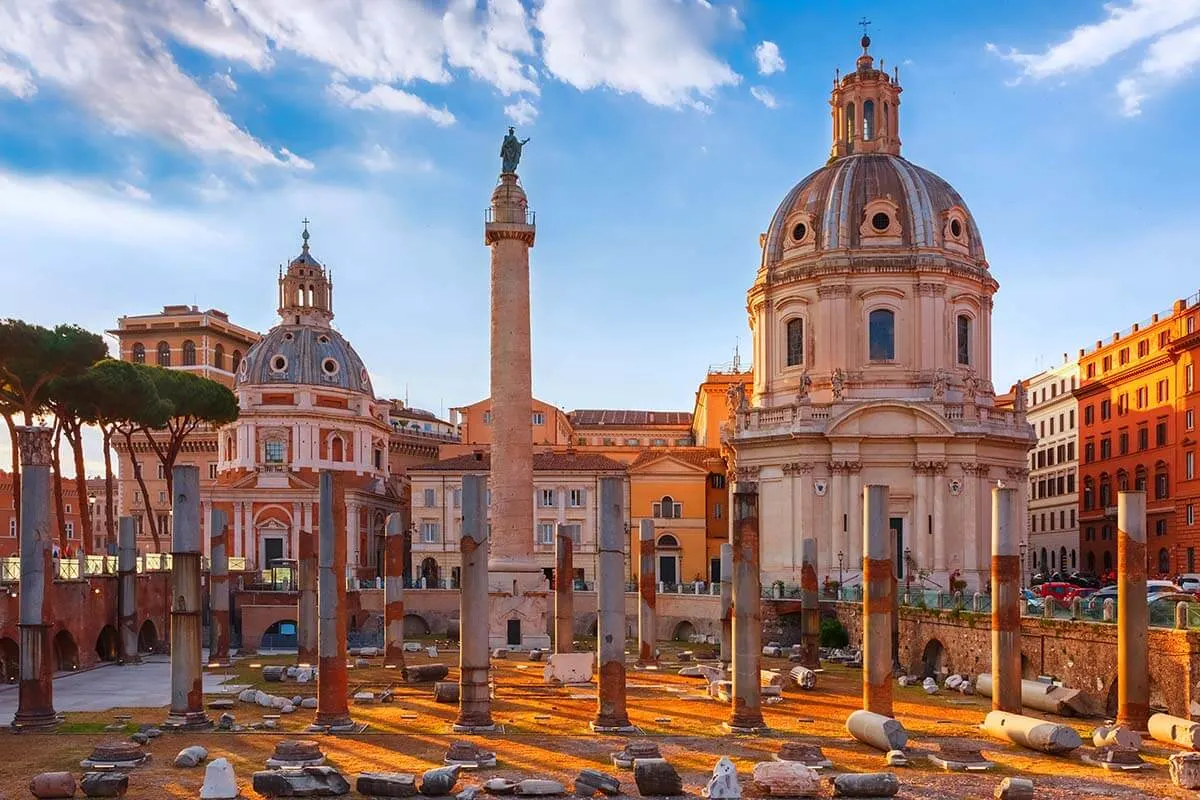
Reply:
x=514 y=216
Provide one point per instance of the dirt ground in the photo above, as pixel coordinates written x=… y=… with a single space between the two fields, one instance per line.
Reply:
x=545 y=734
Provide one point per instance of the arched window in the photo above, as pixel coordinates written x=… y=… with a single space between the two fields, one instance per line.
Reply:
x=964 y=339
x=139 y=353
x=1105 y=492
x=1051 y=559
x=1072 y=559
x=667 y=508
x=1122 y=481
x=1089 y=496
x=1045 y=558
x=795 y=342
x=300 y=296
x=1164 y=561
x=189 y=353
x=1062 y=557
x=1162 y=485
x=850 y=124
x=236 y=361
x=219 y=356
x=1107 y=561
x=164 y=354
x=886 y=123
x=1139 y=479
x=868 y=120
x=312 y=293
x=668 y=542
x=881 y=326
x=337 y=450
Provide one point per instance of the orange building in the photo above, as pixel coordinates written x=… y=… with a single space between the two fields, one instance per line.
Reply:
x=1137 y=399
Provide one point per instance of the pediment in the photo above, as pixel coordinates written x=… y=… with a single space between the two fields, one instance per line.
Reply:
x=889 y=419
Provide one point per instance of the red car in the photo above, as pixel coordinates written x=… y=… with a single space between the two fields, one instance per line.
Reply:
x=1063 y=592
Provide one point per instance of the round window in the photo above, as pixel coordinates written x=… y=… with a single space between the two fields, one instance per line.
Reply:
x=279 y=363
x=881 y=221
x=287 y=337
x=329 y=366
x=955 y=228
x=799 y=232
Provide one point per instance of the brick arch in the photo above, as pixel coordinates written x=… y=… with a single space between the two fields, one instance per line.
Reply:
x=931 y=660
x=416 y=625
x=10 y=659
x=149 y=636
x=684 y=631
x=273 y=512
x=283 y=615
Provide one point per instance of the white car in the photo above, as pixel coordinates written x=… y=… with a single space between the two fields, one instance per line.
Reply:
x=1158 y=587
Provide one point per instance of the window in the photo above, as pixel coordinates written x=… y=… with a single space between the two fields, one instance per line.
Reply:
x=212 y=471
x=1105 y=448
x=633 y=442
x=1188 y=378
x=577 y=498
x=1089 y=501
x=1161 y=486
x=70 y=526
x=189 y=353
x=964 y=339
x=456 y=497
x=1143 y=437
x=851 y=133
x=12 y=527
x=1123 y=356
x=164 y=354
x=1143 y=348
x=1088 y=415
x=430 y=497
x=487 y=418
x=1105 y=493
x=1191 y=324
x=1072 y=518
x=1189 y=421
x=545 y=533
x=1070 y=451
x=1139 y=481
x=236 y=361
x=162 y=497
x=1089 y=452
x=1107 y=363
x=795 y=342
x=881 y=324
x=1189 y=462
x=667 y=508
x=219 y=356
x=487 y=496
x=1160 y=434
x=1091 y=370
x=1191 y=559
x=66 y=508
x=868 y=120
x=1123 y=443
x=1123 y=403
x=1143 y=397
x=162 y=472
x=718 y=511
x=1164 y=389
x=274 y=451
x=1191 y=514
x=1160 y=527
x=539 y=418
x=1105 y=409
x=430 y=531
x=716 y=481
x=139 y=353
x=1070 y=482
x=546 y=498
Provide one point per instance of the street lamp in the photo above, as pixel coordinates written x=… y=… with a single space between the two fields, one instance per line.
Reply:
x=907 y=571
x=841 y=558
x=1023 y=547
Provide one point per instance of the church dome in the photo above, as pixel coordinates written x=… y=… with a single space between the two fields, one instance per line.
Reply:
x=305 y=355
x=872 y=199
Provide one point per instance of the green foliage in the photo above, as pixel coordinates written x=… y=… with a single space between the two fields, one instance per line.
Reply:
x=122 y=393
x=32 y=356
x=833 y=634
x=192 y=399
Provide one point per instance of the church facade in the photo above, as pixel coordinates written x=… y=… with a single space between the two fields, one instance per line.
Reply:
x=871 y=320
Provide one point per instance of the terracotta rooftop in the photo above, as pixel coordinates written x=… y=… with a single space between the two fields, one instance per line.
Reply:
x=542 y=462
x=619 y=417
x=690 y=455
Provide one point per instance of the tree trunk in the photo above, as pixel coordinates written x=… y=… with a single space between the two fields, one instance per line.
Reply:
x=75 y=437
x=137 y=474
x=60 y=517
x=110 y=534
x=16 y=468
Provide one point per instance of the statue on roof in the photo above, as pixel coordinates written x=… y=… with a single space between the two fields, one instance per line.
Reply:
x=510 y=152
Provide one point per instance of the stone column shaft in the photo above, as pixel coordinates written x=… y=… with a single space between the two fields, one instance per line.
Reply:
x=187 y=676
x=564 y=592
x=393 y=592
x=218 y=588
x=611 y=713
x=647 y=594
x=35 y=699
x=879 y=582
x=127 y=589
x=726 y=604
x=810 y=606
x=746 y=710
x=333 y=709
x=1006 y=608
x=306 y=600
x=1133 y=615
x=475 y=704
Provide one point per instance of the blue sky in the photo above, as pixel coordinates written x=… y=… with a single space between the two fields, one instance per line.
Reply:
x=164 y=151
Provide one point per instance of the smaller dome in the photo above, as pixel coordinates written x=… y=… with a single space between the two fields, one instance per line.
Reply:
x=304 y=355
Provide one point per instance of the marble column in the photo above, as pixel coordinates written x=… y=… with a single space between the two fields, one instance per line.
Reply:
x=837 y=511
x=939 y=527
x=393 y=593
x=879 y=582
x=1133 y=616
x=475 y=705
x=35 y=693
x=919 y=538
x=726 y=605
x=127 y=589
x=218 y=588
x=187 y=677
x=1006 y=608
x=746 y=710
x=855 y=514
x=810 y=606
x=306 y=600
x=611 y=714
x=333 y=709
x=564 y=592
x=647 y=594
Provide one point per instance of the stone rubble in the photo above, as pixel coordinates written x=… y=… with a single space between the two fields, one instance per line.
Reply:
x=871 y=784
x=220 y=783
x=191 y=756
x=787 y=779
x=386 y=784
x=104 y=784
x=322 y=781
x=723 y=785
x=499 y=786
x=538 y=787
x=804 y=678
x=590 y=781
x=52 y=785
x=1185 y=770
x=636 y=749
x=439 y=781
x=655 y=777
x=1014 y=789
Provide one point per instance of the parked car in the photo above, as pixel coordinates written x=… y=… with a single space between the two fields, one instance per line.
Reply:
x=1156 y=587
x=1190 y=582
x=1057 y=590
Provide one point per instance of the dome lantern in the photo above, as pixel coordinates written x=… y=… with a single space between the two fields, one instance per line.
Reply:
x=305 y=290
x=865 y=105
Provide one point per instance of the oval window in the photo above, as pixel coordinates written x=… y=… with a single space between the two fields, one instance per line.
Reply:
x=279 y=363
x=799 y=232
x=329 y=366
x=881 y=221
x=955 y=228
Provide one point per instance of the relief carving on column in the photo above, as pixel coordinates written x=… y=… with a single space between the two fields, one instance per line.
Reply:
x=837 y=383
x=930 y=289
x=34 y=443
x=940 y=380
x=976 y=470
x=1018 y=473
x=845 y=466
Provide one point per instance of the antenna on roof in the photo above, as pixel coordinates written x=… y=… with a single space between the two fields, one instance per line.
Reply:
x=737 y=358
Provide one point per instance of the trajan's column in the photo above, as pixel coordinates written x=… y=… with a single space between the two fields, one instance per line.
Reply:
x=519 y=592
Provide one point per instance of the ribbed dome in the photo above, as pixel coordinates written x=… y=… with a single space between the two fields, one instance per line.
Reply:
x=832 y=205
x=306 y=355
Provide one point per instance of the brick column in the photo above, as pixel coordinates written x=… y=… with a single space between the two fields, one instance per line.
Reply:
x=647 y=594
x=879 y=580
x=475 y=705
x=333 y=708
x=1006 y=608
x=218 y=588
x=393 y=593
x=810 y=606
x=306 y=600
x=611 y=713
x=564 y=592
x=1133 y=615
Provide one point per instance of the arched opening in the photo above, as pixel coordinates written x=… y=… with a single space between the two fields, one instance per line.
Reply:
x=236 y=361
x=933 y=660
x=337 y=449
x=1107 y=561
x=219 y=356
x=964 y=339
x=312 y=293
x=107 y=644
x=667 y=508
x=300 y=296
x=164 y=354
x=281 y=635
x=667 y=559
x=881 y=325
x=1091 y=563
x=868 y=120
x=430 y=572
x=1052 y=560
x=66 y=652
x=795 y=342
x=147 y=637
x=139 y=353
x=850 y=131
x=415 y=625
x=684 y=632
x=1062 y=558
x=10 y=660
x=1045 y=559
x=189 y=353
x=886 y=120
x=1164 y=561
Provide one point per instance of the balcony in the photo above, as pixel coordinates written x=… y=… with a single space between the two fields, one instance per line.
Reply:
x=510 y=216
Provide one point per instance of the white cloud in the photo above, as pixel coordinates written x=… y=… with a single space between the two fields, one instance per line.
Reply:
x=388 y=98
x=764 y=96
x=768 y=58
x=16 y=81
x=135 y=192
x=293 y=160
x=521 y=112
x=226 y=81
x=657 y=49
x=378 y=158
x=1169 y=30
